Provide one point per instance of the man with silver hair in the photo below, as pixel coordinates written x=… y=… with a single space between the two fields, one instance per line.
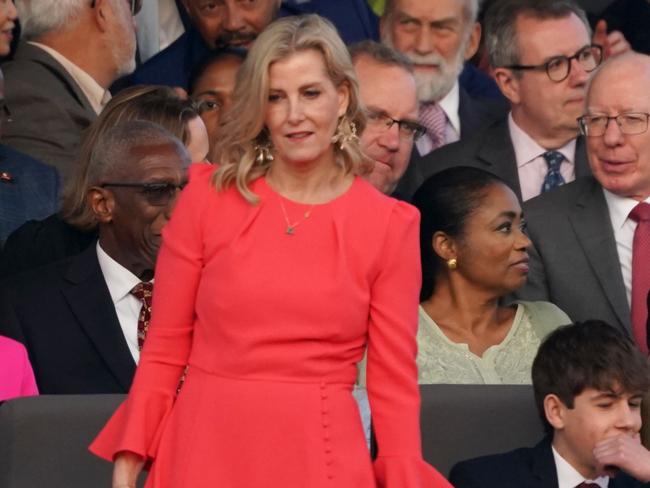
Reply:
x=96 y=306
x=438 y=36
x=71 y=52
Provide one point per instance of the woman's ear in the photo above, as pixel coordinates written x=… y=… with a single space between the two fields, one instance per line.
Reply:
x=344 y=98
x=443 y=245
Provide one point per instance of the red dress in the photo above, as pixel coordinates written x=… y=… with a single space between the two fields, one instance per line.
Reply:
x=272 y=326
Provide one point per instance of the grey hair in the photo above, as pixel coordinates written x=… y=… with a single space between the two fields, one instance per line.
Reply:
x=500 y=25
x=39 y=17
x=380 y=53
x=470 y=9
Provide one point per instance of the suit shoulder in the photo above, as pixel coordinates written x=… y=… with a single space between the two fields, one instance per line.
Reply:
x=20 y=163
x=503 y=470
x=561 y=198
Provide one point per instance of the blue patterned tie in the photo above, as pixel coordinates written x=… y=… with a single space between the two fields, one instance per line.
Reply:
x=553 y=177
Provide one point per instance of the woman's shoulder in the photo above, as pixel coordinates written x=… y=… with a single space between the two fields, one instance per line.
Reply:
x=368 y=198
x=12 y=351
x=544 y=316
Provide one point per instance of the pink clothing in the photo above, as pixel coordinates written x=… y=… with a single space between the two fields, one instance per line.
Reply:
x=272 y=326
x=16 y=375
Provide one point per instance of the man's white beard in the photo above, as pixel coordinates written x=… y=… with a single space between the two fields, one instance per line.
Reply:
x=433 y=86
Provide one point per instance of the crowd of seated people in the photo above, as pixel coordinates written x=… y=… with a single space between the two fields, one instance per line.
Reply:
x=530 y=173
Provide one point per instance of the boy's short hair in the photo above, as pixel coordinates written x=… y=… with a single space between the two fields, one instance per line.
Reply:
x=590 y=354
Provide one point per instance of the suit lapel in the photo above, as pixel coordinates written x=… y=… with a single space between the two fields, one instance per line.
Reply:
x=89 y=300
x=497 y=152
x=543 y=465
x=35 y=54
x=589 y=218
x=581 y=162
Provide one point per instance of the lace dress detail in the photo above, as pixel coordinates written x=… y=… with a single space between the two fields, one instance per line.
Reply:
x=441 y=360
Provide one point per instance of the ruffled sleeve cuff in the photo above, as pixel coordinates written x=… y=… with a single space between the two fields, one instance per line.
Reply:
x=136 y=426
x=407 y=472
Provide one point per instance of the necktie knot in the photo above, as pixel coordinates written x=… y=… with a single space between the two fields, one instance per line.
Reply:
x=553 y=159
x=586 y=484
x=641 y=213
x=553 y=177
x=142 y=291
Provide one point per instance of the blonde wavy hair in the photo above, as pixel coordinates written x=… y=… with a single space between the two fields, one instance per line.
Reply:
x=243 y=130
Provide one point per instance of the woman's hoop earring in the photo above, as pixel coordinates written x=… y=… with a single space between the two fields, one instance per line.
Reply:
x=452 y=263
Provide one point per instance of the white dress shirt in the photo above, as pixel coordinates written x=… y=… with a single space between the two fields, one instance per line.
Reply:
x=95 y=93
x=449 y=105
x=624 y=227
x=532 y=166
x=568 y=476
x=120 y=282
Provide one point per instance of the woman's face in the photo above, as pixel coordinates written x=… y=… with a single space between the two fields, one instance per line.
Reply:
x=303 y=109
x=8 y=15
x=214 y=91
x=199 y=144
x=492 y=253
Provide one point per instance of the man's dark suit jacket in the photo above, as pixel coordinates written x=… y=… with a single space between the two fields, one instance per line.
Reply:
x=491 y=149
x=64 y=315
x=574 y=262
x=522 y=468
x=29 y=190
x=474 y=115
x=49 y=112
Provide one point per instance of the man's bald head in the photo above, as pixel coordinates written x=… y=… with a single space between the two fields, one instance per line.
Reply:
x=616 y=122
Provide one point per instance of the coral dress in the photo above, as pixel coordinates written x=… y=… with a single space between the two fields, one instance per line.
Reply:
x=272 y=326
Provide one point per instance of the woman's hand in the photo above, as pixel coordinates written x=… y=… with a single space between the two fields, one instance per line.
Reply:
x=127 y=468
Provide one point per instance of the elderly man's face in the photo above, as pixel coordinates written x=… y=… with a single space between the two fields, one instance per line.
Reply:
x=132 y=236
x=386 y=91
x=231 y=22
x=436 y=36
x=621 y=162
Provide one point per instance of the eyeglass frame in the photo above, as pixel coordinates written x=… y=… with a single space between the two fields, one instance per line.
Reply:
x=148 y=186
x=584 y=130
x=545 y=66
x=136 y=6
x=420 y=130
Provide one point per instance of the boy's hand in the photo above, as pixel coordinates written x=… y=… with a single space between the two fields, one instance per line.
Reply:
x=625 y=453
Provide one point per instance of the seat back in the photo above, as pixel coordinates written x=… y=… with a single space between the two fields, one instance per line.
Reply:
x=44 y=441
x=460 y=422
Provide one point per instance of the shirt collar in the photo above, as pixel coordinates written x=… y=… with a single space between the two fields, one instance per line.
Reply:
x=527 y=149
x=120 y=281
x=568 y=476
x=449 y=105
x=619 y=208
x=97 y=95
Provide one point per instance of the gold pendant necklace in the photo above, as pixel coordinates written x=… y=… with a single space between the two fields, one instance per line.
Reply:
x=291 y=227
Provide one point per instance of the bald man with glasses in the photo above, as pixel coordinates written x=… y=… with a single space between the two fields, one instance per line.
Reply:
x=591 y=238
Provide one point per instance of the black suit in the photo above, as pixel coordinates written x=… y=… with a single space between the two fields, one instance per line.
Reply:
x=64 y=315
x=491 y=149
x=474 y=114
x=522 y=468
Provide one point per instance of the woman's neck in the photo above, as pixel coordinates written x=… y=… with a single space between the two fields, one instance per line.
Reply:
x=308 y=183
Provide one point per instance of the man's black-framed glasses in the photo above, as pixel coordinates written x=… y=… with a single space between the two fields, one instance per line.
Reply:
x=558 y=68
x=156 y=194
x=630 y=123
x=136 y=5
x=408 y=129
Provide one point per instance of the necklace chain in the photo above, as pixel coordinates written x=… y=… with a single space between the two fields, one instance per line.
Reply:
x=291 y=227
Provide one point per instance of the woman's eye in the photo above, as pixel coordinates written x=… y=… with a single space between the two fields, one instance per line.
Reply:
x=274 y=97
x=312 y=93
x=506 y=227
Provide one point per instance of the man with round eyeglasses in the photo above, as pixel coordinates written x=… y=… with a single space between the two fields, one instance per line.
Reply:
x=592 y=237
x=543 y=56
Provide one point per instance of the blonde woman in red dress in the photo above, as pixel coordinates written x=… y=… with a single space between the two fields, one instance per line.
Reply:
x=275 y=273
